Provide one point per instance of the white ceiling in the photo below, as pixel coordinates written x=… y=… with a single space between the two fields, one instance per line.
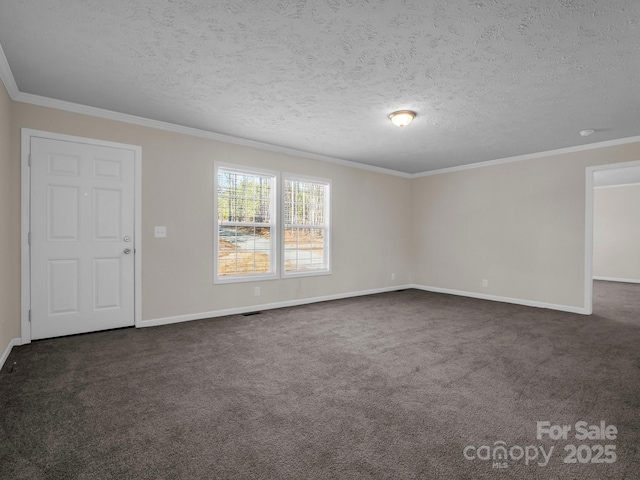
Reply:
x=489 y=79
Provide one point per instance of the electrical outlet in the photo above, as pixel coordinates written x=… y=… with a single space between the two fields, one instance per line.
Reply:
x=393 y=276
x=256 y=291
x=485 y=282
x=160 y=232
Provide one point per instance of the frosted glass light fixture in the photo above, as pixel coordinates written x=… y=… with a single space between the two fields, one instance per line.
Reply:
x=402 y=118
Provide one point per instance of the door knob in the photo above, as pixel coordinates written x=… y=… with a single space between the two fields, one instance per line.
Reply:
x=127 y=251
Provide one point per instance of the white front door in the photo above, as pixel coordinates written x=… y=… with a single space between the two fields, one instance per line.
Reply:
x=82 y=245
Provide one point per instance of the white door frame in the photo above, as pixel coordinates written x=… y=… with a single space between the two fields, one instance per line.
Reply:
x=588 y=234
x=27 y=134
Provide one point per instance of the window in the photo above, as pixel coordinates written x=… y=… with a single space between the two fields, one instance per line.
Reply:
x=251 y=217
x=246 y=233
x=306 y=226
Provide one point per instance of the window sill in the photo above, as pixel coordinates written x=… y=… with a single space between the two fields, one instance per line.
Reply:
x=310 y=273
x=243 y=278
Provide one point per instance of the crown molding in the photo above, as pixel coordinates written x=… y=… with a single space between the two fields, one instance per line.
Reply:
x=530 y=156
x=15 y=94
x=194 y=132
x=7 y=76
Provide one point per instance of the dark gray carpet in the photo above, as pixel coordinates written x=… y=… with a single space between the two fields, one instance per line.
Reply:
x=386 y=386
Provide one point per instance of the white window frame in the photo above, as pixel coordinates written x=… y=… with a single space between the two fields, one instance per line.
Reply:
x=273 y=225
x=326 y=226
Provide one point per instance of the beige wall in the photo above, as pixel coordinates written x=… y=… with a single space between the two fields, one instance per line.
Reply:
x=520 y=225
x=616 y=232
x=9 y=231
x=369 y=227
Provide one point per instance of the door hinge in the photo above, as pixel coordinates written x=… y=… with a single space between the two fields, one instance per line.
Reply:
x=29 y=316
x=29 y=238
x=29 y=160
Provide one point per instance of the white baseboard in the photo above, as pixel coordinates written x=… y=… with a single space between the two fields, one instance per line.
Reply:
x=622 y=280
x=292 y=303
x=495 y=298
x=268 y=306
x=14 y=342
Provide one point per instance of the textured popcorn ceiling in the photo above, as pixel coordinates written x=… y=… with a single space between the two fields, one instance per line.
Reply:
x=489 y=78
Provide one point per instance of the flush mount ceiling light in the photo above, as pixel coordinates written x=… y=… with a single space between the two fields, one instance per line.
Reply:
x=586 y=133
x=402 y=118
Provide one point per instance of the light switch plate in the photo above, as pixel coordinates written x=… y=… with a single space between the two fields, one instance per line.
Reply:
x=160 y=232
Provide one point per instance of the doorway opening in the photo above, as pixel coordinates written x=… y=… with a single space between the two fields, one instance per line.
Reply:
x=607 y=186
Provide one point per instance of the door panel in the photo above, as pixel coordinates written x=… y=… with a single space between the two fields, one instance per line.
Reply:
x=107 y=215
x=63 y=284
x=106 y=283
x=82 y=208
x=63 y=213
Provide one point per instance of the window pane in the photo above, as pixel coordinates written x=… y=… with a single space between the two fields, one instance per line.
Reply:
x=304 y=203
x=227 y=257
x=304 y=249
x=243 y=197
x=290 y=249
x=244 y=250
x=305 y=228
